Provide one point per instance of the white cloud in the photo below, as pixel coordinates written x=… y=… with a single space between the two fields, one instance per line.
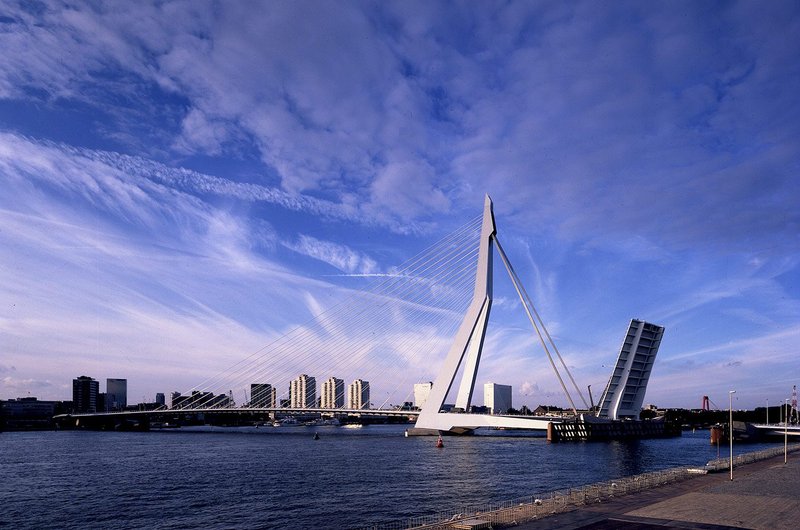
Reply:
x=647 y=179
x=340 y=256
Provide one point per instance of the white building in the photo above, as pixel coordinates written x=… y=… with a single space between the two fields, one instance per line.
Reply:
x=421 y=393
x=497 y=398
x=303 y=392
x=332 y=394
x=116 y=394
x=358 y=395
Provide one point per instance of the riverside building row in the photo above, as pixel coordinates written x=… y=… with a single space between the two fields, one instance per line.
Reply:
x=86 y=395
x=302 y=395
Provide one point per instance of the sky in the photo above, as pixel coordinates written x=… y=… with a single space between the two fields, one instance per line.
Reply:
x=182 y=183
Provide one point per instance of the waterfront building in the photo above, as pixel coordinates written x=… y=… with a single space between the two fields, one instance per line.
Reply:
x=262 y=395
x=27 y=413
x=84 y=394
x=116 y=394
x=421 y=393
x=497 y=398
x=332 y=394
x=220 y=401
x=358 y=395
x=160 y=399
x=200 y=400
x=303 y=392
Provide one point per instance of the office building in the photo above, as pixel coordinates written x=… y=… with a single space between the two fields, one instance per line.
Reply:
x=262 y=395
x=84 y=394
x=358 y=395
x=497 y=398
x=27 y=413
x=303 y=392
x=332 y=394
x=116 y=394
x=160 y=399
x=421 y=393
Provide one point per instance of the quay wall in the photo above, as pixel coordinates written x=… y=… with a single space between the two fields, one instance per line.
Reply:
x=513 y=512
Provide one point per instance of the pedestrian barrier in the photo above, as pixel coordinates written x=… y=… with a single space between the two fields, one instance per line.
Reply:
x=507 y=513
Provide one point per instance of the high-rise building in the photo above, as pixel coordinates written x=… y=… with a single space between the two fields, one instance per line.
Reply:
x=160 y=399
x=116 y=394
x=262 y=395
x=358 y=395
x=332 y=394
x=421 y=393
x=84 y=394
x=303 y=392
x=497 y=398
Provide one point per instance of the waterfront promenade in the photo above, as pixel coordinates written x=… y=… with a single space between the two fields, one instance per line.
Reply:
x=764 y=494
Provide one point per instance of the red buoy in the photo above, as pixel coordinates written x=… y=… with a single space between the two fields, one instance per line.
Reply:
x=440 y=442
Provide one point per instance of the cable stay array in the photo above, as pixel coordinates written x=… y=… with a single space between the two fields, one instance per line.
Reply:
x=385 y=335
x=538 y=325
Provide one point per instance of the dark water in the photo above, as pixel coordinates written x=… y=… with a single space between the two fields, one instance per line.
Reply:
x=282 y=478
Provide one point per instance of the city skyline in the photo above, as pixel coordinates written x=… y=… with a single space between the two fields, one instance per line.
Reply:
x=183 y=184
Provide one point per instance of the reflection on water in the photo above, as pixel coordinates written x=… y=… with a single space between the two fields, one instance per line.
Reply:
x=282 y=477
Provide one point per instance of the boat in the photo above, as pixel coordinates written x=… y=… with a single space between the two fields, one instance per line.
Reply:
x=323 y=422
x=773 y=431
x=285 y=422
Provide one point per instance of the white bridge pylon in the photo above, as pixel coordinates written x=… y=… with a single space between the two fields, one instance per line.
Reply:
x=468 y=345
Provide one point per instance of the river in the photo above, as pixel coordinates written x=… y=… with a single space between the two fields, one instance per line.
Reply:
x=280 y=477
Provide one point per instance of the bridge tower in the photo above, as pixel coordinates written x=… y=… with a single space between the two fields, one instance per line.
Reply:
x=470 y=336
x=465 y=352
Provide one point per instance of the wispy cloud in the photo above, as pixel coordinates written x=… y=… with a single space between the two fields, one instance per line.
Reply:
x=340 y=256
x=170 y=153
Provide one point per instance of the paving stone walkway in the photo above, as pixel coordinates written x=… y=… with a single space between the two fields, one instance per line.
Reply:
x=763 y=495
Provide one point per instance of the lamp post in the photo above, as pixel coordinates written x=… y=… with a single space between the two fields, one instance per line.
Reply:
x=786 y=435
x=767 y=411
x=730 y=424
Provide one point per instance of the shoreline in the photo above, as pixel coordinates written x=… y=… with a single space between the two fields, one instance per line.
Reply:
x=657 y=498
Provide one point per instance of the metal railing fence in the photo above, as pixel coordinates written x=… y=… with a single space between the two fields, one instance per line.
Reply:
x=506 y=513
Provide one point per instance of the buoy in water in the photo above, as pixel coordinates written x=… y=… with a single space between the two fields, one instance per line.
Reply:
x=440 y=442
x=316 y=436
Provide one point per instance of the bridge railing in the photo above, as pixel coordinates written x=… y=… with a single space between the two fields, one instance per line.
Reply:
x=508 y=513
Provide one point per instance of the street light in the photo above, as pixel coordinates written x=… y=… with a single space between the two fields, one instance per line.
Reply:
x=786 y=435
x=730 y=424
x=767 y=411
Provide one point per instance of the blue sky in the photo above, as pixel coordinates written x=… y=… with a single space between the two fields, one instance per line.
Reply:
x=183 y=182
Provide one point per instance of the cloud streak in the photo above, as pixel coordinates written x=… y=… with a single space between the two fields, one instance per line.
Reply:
x=206 y=162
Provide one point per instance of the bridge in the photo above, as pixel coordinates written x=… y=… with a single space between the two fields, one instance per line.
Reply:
x=358 y=336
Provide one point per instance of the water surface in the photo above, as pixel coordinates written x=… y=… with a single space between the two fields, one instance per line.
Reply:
x=280 y=477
